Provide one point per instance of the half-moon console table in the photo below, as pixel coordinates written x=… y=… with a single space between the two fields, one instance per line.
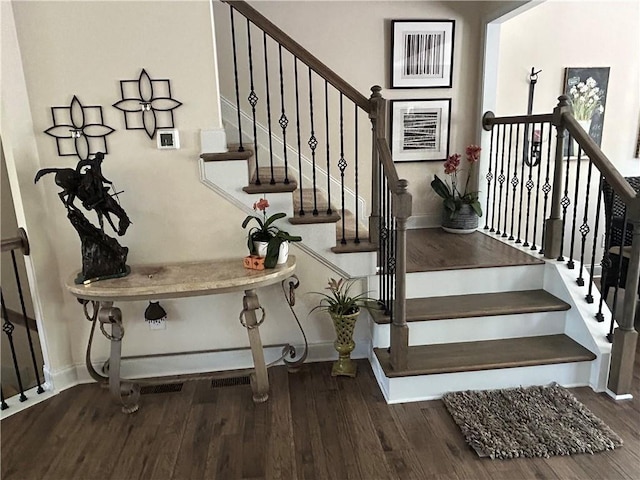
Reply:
x=152 y=282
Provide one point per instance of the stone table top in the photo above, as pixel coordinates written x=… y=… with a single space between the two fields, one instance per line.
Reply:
x=189 y=279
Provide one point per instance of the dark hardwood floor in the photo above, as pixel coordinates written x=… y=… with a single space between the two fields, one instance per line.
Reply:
x=312 y=427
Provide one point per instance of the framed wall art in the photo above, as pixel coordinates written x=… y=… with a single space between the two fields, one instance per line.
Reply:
x=587 y=90
x=421 y=53
x=420 y=129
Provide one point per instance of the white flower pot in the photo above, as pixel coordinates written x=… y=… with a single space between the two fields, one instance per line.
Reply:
x=283 y=252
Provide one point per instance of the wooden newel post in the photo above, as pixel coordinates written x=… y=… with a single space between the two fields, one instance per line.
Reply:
x=399 y=328
x=378 y=129
x=553 y=225
x=625 y=337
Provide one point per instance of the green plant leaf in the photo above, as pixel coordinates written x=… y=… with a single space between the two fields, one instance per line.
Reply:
x=440 y=187
x=273 y=218
x=476 y=207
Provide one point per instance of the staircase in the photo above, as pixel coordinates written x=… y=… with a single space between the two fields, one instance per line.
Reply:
x=460 y=312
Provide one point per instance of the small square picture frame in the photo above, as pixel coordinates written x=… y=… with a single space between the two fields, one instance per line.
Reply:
x=168 y=139
x=420 y=129
x=422 y=53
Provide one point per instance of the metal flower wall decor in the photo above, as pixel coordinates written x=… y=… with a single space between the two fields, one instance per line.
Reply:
x=79 y=130
x=147 y=104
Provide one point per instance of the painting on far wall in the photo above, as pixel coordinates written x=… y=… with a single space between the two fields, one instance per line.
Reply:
x=587 y=90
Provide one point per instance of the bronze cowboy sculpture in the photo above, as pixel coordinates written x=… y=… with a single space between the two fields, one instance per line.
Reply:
x=102 y=256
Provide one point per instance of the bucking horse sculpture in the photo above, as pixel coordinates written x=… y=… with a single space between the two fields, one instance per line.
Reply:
x=102 y=256
x=86 y=182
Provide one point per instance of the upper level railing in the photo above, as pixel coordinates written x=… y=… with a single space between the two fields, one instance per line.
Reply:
x=545 y=192
x=329 y=117
x=10 y=320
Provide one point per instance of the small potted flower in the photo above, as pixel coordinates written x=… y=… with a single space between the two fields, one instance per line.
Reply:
x=266 y=239
x=344 y=310
x=461 y=207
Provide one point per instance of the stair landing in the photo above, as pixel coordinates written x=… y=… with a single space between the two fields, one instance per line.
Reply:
x=433 y=249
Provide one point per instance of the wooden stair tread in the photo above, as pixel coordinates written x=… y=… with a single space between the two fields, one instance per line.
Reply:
x=479 y=305
x=233 y=154
x=266 y=186
x=487 y=355
x=352 y=247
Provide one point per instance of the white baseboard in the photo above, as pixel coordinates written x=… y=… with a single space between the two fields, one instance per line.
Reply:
x=423 y=221
x=616 y=397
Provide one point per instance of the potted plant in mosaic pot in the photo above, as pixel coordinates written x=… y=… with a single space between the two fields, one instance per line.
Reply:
x=461 y=206
x=266 y=239
x=344 y=310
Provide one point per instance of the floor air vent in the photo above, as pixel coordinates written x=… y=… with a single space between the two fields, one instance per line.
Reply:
x=230 y=382
x=163 y=388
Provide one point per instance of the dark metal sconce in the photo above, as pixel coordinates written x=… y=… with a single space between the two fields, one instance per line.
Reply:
x=147 y=104
x=79 y=130
x=531 y=159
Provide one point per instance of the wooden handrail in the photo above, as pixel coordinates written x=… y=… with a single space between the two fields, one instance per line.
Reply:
x=387 y=165
x=489 y=119
x=301 y=53
x=13 y=243
x=591 y=149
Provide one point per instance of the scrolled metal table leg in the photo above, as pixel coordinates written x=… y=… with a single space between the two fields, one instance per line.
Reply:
x=125 y=393
x=259 y=379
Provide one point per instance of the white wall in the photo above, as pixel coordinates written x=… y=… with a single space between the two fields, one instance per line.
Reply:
x=61 y=49
x=559 y=34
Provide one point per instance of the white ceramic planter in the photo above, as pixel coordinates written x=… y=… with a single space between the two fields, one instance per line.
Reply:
x=283 y=252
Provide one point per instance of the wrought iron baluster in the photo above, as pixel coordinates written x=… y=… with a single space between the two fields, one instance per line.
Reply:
x=529 y=185
x=283 y=121
x=489 y=178
x=538 y=162
x=584 y=228
x=606 y=260
x=253 y=101
x=357 y=215
x=589 y=296
x=7 y=328
x=520 y=183
x=326 y=126
x=571 y=264
x=501 y=179
x=546 y=188
x=342 y=165
x=382 y=242
x=513 y=181
x=564 y=202
x=235 y=74
x=313 y=143
x=295 y=74
x=24 y=316
x=272 y=181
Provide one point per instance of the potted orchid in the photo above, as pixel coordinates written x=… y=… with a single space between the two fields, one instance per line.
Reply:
x=266 y=239
x=461 y=206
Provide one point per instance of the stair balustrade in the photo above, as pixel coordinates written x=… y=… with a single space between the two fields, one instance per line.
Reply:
x=553 y=204
x=338 y=138
x=11 y=320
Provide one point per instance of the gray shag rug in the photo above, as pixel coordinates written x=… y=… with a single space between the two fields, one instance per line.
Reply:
x=528 y=422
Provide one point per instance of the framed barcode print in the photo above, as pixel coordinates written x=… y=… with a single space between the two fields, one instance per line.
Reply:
x=422 y=53
x=420 y=130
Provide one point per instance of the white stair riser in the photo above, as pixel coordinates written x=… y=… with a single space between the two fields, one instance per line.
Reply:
x=476 y=328
x=431 y=387
x=475 y=280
